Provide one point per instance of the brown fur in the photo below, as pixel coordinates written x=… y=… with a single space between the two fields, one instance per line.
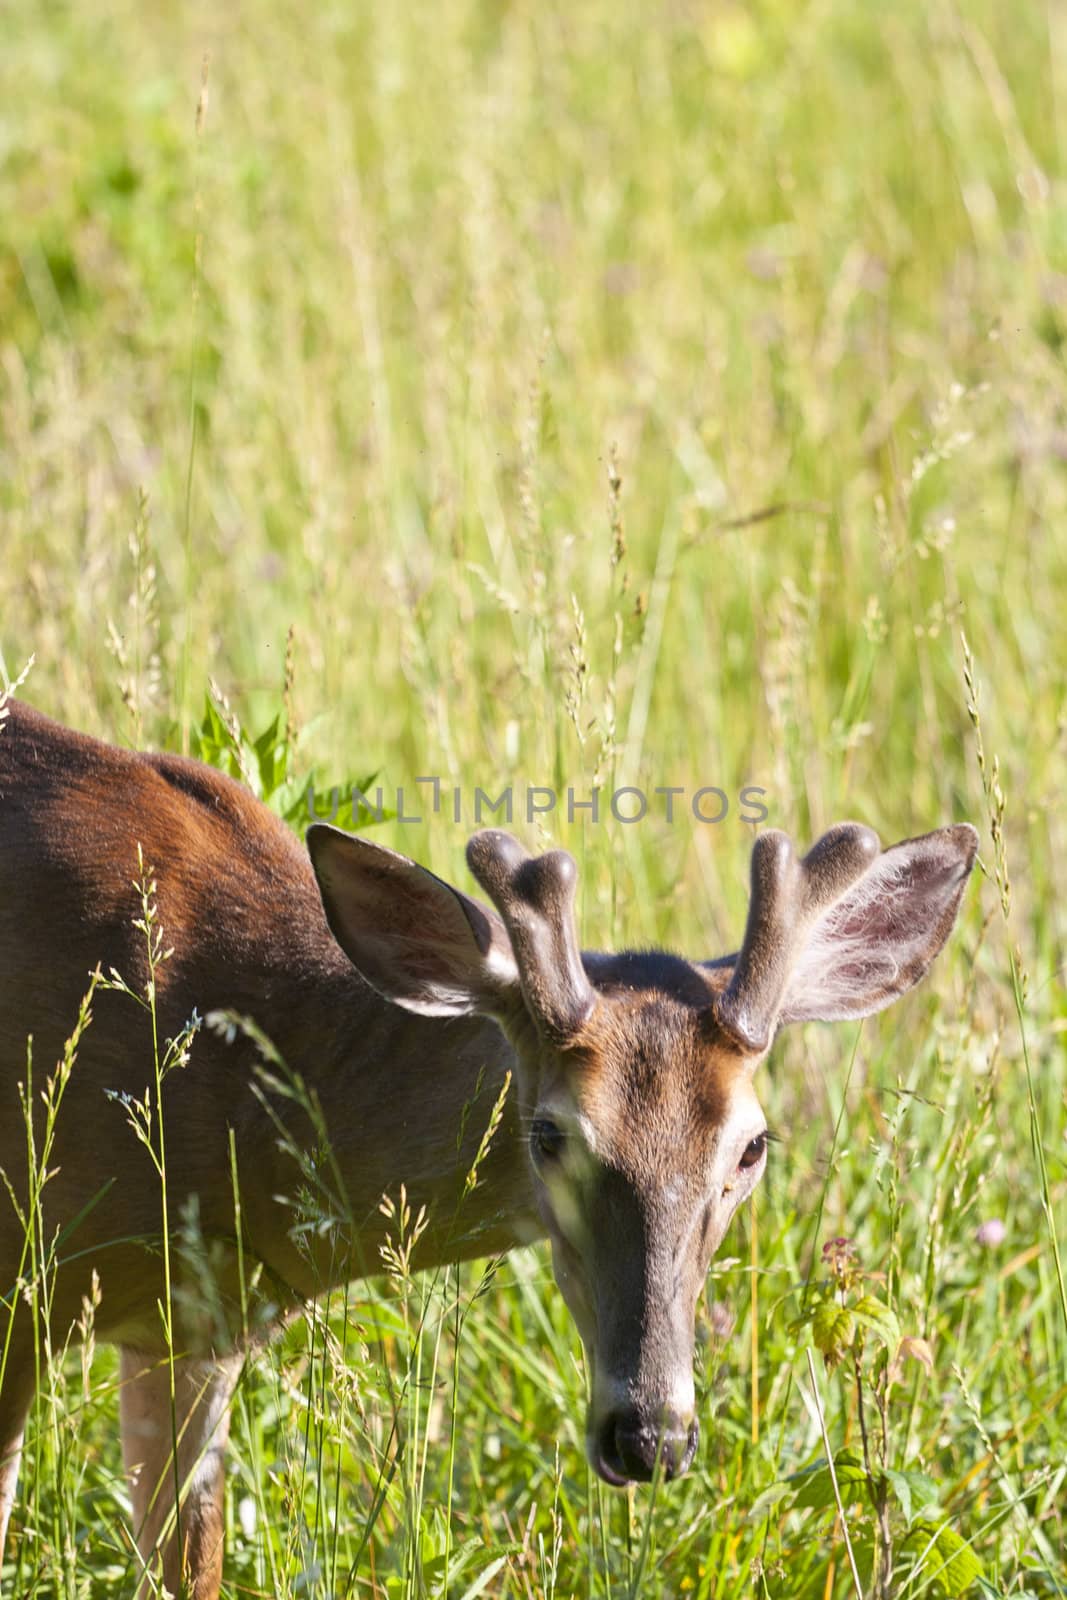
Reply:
x=239 y=905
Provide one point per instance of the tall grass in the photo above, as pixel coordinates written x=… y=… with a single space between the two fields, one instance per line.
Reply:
x=598 y=398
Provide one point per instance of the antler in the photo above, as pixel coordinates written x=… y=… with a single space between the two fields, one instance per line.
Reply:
x=787 y=896
x=535 y=897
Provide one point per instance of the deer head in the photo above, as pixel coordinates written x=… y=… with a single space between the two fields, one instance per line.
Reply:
x=634 y=1071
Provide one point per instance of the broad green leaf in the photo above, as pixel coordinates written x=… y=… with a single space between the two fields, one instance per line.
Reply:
x=946 y=1558
x=901 y=1488
x=833 y=1330
x=876 y=1315
x=769 y=1498
x=816 y=1491
x=914 y=1491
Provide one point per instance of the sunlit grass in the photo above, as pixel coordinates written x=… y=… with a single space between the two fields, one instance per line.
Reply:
x=601 y=399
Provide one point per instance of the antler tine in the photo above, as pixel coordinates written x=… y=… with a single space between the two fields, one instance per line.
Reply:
x=535 y=897
x=786 y=897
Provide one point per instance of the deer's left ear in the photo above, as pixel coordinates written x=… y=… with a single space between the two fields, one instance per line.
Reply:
x=879 y=939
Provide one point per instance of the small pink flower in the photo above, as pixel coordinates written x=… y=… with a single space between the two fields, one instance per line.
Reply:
x=722 y=1320
x=991 y=1233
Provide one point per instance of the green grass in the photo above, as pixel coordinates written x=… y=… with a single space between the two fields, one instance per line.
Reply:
x=368 y=335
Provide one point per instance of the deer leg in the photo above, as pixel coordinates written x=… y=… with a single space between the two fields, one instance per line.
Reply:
x=15 y=1397
x=10 y=1455
x=186 y=1552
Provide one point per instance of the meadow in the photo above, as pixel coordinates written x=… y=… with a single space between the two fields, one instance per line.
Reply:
x=585 y=397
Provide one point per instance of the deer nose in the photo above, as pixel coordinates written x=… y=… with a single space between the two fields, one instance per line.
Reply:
x=630 y=1447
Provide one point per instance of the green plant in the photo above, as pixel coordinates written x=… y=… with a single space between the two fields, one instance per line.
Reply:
x=901 y=1540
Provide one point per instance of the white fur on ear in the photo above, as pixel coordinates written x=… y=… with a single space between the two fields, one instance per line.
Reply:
x=879 y=939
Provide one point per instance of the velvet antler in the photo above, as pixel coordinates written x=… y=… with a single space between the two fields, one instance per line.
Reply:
x=787 y=896
x=535 y=897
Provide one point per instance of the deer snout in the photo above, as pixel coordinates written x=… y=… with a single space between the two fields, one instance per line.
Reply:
x=627 y=1447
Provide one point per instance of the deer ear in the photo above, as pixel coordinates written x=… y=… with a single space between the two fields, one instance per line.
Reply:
x=418 y=941
x=880 y=937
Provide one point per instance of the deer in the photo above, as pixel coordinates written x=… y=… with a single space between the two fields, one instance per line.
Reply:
x=629 y=1135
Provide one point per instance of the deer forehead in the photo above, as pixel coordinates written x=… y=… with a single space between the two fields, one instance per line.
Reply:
x=652 y=1090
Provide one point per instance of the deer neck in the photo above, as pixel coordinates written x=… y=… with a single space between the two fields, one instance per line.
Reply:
x=387 y=1101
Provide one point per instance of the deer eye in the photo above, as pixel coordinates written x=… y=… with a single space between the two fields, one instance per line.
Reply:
x=546 y=1139
x=754 y=1151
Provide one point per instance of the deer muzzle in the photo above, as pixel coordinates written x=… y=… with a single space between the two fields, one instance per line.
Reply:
x=628 y=1448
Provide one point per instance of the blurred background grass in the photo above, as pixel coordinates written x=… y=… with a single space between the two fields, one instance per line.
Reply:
x=601 y=396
